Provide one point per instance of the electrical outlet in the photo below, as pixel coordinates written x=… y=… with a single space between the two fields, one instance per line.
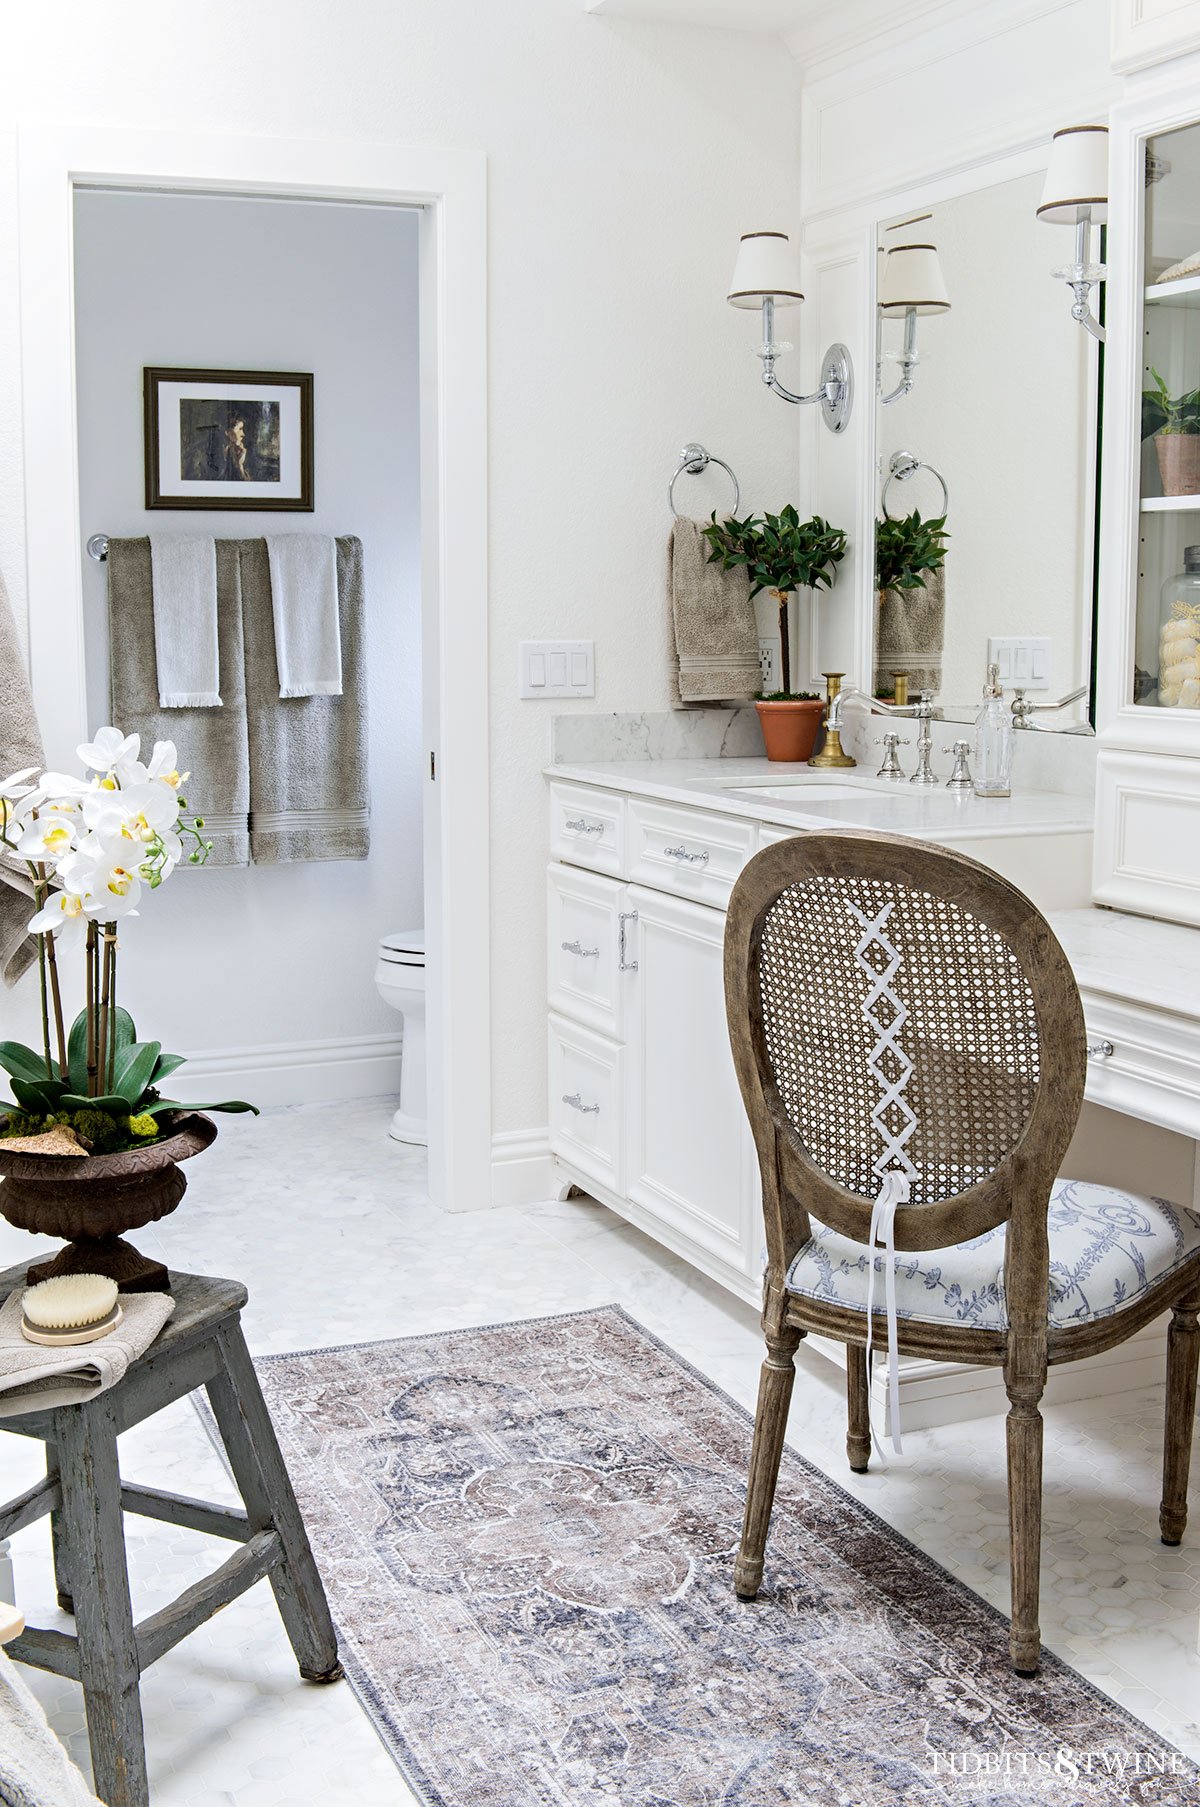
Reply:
x=768 y=659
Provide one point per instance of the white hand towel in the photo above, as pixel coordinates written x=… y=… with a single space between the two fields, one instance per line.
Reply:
x=35 y=1377
x=304 y=603
x=184 y=578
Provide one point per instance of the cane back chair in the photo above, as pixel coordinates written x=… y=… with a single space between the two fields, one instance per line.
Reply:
x=896 y=1006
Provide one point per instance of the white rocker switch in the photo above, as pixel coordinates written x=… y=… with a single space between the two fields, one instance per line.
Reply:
x=553 y=668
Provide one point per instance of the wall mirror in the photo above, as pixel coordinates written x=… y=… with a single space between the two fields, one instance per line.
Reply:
x=986 y=414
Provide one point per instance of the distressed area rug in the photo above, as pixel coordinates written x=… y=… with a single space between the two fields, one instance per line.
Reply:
x=527 y=1534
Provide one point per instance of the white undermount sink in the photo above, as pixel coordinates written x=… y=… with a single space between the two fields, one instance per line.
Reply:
x=806 y=790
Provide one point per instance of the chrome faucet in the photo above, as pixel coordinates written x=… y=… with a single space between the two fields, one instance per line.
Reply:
x=924 y=711
x=1022 y=708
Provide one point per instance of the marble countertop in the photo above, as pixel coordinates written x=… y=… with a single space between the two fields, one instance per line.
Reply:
x=1134 y=958
x=734 y=786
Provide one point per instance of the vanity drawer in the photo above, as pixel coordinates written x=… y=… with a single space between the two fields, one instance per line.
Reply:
x=583 y=918
x=587 y=1075
x=587 y=827
x=688 y=851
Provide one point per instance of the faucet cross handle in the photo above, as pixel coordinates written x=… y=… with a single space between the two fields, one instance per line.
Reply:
x=890 y=767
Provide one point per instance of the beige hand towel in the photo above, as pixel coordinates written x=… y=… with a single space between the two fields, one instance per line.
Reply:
x=20 y=746
x=715 y=632
x=184 y=570
x=304 y=608
x=309 y=797
x=34 y=1378
x=212 y=743
x=911 y=633
x=35 y=1770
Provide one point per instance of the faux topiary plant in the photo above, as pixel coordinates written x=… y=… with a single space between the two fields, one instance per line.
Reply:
x=780 y=553
x=94 y=848
x=906 y=549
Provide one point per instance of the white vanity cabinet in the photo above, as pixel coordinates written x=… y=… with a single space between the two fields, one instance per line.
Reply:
x=644 y=1106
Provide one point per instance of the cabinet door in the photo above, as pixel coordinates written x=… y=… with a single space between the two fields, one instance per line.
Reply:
x=689 y=1153
x=1150 y=31
x=584 y=919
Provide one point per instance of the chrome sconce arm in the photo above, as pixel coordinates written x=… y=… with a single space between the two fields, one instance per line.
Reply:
x=908 y=360
x=1081 y=277
x=836 y=393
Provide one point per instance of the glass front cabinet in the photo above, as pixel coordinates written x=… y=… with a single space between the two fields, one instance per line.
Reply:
x=1148 y=675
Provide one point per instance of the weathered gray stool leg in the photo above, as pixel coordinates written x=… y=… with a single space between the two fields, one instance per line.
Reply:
x=258 y=1468
x=58 y=1541
x=86 y=1440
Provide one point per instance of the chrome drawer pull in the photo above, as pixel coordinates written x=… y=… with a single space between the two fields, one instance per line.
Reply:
x=624 y=965
x=582 y=826
x=584 y=953
x=681 y=853
x=1101 y=1050
x=576 y=1103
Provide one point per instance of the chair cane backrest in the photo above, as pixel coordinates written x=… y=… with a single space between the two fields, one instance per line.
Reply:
x=895 y=1007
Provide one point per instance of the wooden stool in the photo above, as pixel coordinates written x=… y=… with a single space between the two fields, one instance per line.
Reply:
x=201 y=1345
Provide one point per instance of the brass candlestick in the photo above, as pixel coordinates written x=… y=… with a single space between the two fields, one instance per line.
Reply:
x=831 y=753
x=900 y=690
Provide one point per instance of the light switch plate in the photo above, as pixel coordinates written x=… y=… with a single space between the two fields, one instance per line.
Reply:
x=555 y=668
x=1024 y=660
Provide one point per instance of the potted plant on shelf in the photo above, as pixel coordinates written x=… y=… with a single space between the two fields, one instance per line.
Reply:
x=782 y=553
x=1174 y=422
x=911 y=627
x=89 y=1146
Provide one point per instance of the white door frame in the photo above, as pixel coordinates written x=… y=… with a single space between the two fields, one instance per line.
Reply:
x=450 y=188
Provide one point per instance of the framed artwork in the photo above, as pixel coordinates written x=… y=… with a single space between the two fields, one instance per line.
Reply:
x=229 y=439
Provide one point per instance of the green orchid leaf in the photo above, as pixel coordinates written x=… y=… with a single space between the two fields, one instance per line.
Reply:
x=167 y=1063
x=123 y=1034
x=113 y=1105
x=175 y=1104
x=36 y=1099
x=25 y=1063
x=133 y=1070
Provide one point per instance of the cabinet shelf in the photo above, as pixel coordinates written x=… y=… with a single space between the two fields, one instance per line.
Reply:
x=1171 y=504
x=1183 y=292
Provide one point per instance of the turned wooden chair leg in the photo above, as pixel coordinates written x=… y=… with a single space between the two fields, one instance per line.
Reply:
x=1024 y=1437
x=858 y=1434
x=1183 y=1355
x=770 y=1422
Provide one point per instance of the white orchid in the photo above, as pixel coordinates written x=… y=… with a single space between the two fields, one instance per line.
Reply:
x=112 y=753
x=164 y=765
x=13 y=791
x=137 y=812
x=105 y=876
x=62 y=915
x=47 y=838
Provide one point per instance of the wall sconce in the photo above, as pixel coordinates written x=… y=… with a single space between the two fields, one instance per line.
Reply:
x=1076 y=194
x=911 y=284
x=765 y=276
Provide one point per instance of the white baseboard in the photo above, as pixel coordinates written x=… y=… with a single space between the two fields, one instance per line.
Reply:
x=320 y=1072
x=524 y=1171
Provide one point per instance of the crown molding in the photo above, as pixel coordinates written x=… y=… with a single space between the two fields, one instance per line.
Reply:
x=838 y=37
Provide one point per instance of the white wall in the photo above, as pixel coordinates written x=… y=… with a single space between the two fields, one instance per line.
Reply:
x=624 y=161
x=226 y=283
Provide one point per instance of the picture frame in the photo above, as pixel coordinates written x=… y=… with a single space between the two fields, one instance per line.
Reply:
x=228 y=439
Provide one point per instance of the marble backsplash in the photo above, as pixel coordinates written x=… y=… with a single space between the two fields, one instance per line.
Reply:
x=1063 y=763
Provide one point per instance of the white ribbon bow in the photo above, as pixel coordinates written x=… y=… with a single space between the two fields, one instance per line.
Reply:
x=894 y=1191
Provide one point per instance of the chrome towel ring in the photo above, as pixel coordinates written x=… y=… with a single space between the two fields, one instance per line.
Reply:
x=693 y=459
x=904 y=465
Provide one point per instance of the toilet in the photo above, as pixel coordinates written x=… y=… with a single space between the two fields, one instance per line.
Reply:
x=400 y=979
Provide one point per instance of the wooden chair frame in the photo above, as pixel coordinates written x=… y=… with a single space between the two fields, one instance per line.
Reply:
x=1016 y=1192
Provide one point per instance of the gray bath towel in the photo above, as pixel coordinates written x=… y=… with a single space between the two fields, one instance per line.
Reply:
x=911 y=634
x=20 y=746
x=212 y=743
x=184 y=567
x=309 y=795
x=34 y=1377
x=712 y=617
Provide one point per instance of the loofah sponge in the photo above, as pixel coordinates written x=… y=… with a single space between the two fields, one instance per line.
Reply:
x=70 y=1308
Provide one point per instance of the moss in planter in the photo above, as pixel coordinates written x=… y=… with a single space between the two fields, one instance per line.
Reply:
x=99 y=1132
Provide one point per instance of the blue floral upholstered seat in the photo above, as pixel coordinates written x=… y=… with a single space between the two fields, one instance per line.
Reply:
x=1106 y=1248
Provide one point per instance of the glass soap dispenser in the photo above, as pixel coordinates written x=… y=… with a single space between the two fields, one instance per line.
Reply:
x=993 y=741
x=1179 y=636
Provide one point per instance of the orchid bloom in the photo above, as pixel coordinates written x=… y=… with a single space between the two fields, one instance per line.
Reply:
x=112 y=753
x=104 y=876
x=48 y=838
x=137 y=813
x=12 y=791
x=61 y=915
x=164 y=765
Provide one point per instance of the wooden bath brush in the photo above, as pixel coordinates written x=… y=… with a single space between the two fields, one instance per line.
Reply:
x=72 y=1308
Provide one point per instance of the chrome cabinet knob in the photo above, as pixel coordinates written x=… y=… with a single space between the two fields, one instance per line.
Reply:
x=681 y=853
x=576 y=1103
x=584 y=953
x=1100 y=1050
x=582 y=826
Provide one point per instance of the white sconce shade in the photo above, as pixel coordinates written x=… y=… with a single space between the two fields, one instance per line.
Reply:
x=912 y=281
x=1076 y=177
x=765 y=271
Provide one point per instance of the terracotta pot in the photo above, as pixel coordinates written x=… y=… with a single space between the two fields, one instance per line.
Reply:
x=790 y=729
x=90 y=1199
x=1179 y=463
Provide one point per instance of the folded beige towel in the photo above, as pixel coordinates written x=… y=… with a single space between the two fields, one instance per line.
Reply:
x=309 y=797
x=184 y=567
x=212 y=742
x=911 y=633
x=20 y=746
x=34 y=1378
x=304 y=607
x=715 y=632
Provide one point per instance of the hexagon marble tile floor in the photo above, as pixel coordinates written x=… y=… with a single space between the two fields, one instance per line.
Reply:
x=328 y=1223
